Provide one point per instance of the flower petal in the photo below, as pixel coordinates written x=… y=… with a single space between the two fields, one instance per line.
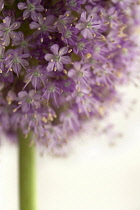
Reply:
x=50 y=19
x=50 y=66
x=15 y=25
x=33 y=25
x=34 y=15
x=65 y=59
x=77 y=66
x=71 y=73
x=22 y=6
x=48 y=57
x=26 y=14
x=63 y=51
x=83 y=17
x=54 y=48
x=86 y=33
x=22 y=94
x=80 y=26
x=59 y=66
x=39 y=8
x=7 y=21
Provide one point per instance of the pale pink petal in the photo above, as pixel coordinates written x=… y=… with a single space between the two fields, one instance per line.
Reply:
x=77 y=66
x=22 y=6
x=59 y=66
x=22 y=94
x=34 y=25
x=83 y=17
x=54 y=48
x=80 y=26
x=65 y=60
x=50 y=66
x=50 y=19
x=86 y=33
x=71 y=73
x=31 y=93
x=63 y=51
x=26 y=13
x=48 y=57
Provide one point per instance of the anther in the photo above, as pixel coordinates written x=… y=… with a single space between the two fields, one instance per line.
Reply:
x=65 y=71
x=70 y=51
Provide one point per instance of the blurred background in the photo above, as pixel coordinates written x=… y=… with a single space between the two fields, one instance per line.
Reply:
x=99 y=172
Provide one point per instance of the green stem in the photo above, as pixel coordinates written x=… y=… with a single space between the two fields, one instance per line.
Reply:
x=27 y=173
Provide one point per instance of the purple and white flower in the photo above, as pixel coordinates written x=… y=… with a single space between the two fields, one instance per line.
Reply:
x=90 y=26
x=31 y=8
x=7 y=30
x=15 y=60
x=58 y=58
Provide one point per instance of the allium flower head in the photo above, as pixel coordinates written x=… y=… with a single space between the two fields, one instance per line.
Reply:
x=60 y=64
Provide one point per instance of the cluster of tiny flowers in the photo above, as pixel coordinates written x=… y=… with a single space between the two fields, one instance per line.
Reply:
x=60 y=63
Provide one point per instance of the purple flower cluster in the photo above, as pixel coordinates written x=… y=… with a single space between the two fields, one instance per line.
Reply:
x=60 y=63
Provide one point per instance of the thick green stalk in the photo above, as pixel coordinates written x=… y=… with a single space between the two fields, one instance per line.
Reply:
x=27 y=191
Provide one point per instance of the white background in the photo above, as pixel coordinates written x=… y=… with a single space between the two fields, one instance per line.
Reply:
x=95 y=175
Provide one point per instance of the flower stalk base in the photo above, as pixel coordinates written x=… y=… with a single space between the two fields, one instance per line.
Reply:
x=27 y=191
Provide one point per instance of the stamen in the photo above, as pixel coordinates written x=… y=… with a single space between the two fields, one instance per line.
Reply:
x=70 y=51
x=10 y=69
x=14 y=110
x=44 y=119
x=88 y=55
x=50 y=37
x=79 y=110
x=20 y=102
x=65 y=71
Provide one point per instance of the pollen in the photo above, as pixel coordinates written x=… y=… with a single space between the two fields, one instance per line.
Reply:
x=70 y=51
x=119 y=46
x=44 y=119
x=125 y=50
x=79 y=110
x=65 y=71
x=88 y=55
x=50 y=37
x=101 y=110
x=10 y=69
x=14 y=110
